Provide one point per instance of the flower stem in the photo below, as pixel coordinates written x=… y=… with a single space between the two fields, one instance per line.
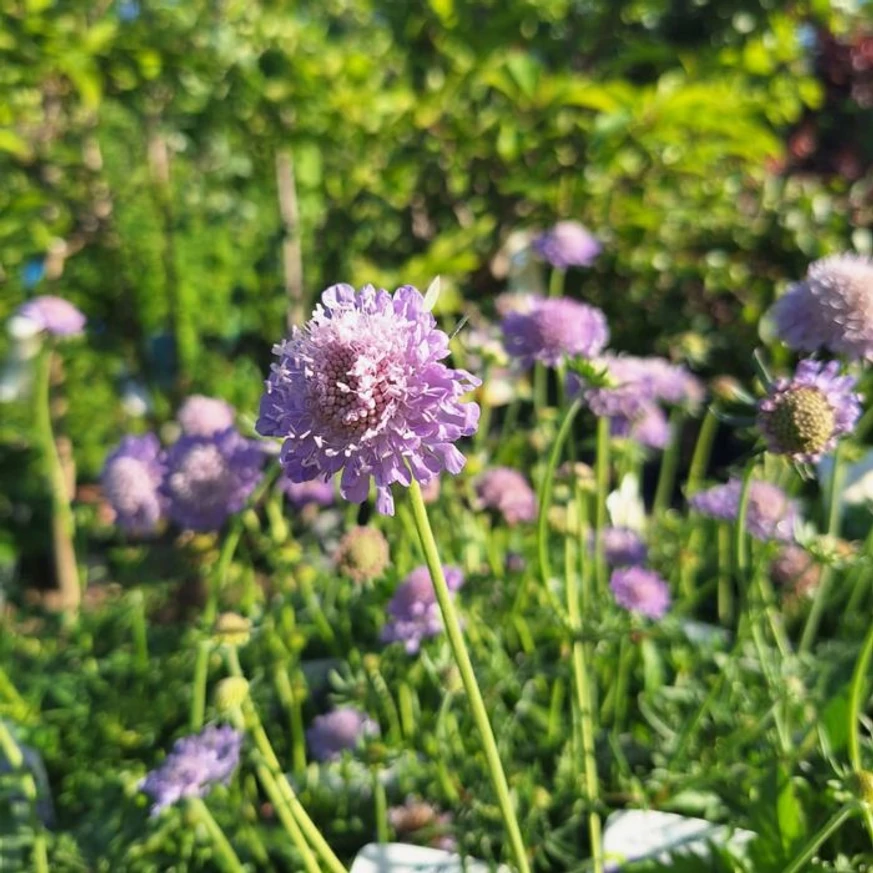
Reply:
x=741 y=543
x=198 y=690
x=702 y=451
x=601 y=473
x=225 y=856
x=63 y=522
x=859 y=677
x=468 y=677
x=556 y=282
x=829 y=829
x=381 y=808
x=669 y=463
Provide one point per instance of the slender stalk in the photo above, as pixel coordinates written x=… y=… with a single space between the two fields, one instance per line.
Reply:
x=198 y=690
x=556 y=282
x=380 y=801
x=601 y=473
x=741 y=542
x=251 y=720
x=139 y=628
x=834 y=823
x=813 y=620
x=291 y=700
x=859 y=677
x=63 y=522
x=669 y=464
x=225 y=856
x=468 y=677
x=702 y=451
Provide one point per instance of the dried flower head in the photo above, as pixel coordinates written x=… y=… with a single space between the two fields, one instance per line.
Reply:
x=641 y=591
x=567 y=244
x=363 y=554
x=506 y=491
x=803 y=417
x=362 y=389
x=210 y=478
x=555 y=328
x=204 y=416
x=335 y=732
x=131 y=482
x=195 y=764
x=54 y=315
x=831 y=308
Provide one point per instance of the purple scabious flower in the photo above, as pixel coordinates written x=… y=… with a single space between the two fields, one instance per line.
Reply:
x=414 y=614
x=804 y=417
x=334 y=732
x=649 y=428
x=195 y=764
x=771 y=514
x=622 y=547
x=301 y=494
x=831 y=308
x=54 y=315
x=567 y=244
x=506 y=491
x=131 y=481
x=204 y=416
x=555 y=328
x=362 y=389
x=210 y=478
x=641 y=591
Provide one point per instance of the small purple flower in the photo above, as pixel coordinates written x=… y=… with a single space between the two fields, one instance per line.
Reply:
x=210 y=478
x=195 y=764
x=622 y=547
x=555 y=328
x=770 y=515
x=414 y=614
x=804 y=417
x=649 y=428
x=831 y=308
x=131 y=481
x=302 y=494
x=506 y=491
x=334 y=732
x=54 y=315
x=567 y=244
x=641 y=591
x=361 y=388
x=204 y=416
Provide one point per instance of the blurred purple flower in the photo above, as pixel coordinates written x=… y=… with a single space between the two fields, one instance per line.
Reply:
x=334 y=732
x=622 y=547
x=567 y=244
x=361 y=389
x=131 y=480
x=204 y=416
x=210 y=478
x=506 y=491
x=301 y=494
x=195 y=764
x=53 y=315
x=641 y=591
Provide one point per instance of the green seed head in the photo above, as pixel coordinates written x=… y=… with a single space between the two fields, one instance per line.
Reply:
x=363 y=554
x=231 y=629
x=230 y=693
x=801 y=421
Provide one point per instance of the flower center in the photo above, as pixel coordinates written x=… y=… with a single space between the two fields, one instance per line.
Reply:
x=802 y=421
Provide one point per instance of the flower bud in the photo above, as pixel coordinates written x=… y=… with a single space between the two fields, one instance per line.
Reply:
x=230 y=693
x=231 y=629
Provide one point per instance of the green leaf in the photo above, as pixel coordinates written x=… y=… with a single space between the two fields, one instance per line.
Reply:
x=14 y=144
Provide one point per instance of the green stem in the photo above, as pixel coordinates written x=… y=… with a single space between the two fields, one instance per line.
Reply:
x=669 y=464
x=741 y=543
x=291 y=702
x=286 y=794
x=63 y=522
x=859 y=677
x=828 y=830
x=381 y=808
x=819 y=602
x=225 y=855
x=139 y=628
x=198 y=690
x=601 y=472
x=702 y=451
x=556 y=282
x=468 y=677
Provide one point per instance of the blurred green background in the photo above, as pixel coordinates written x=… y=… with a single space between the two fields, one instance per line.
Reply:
x=146 y=146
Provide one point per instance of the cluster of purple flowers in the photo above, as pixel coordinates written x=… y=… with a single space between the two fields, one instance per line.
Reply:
x=204 y=477
x=335 y=732
x=195 y=764
x=641 y=591
x=54 y=315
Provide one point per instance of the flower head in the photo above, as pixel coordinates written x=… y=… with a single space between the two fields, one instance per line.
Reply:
x=414 y=613
x=204 y=416
x=553 y=329
x=506 y=491
x=196 y=764
x=649 y=428
x=803 y=417
x=831 y=308
x=210 y=478
x=770 y=514
x=131 y=481
x=622 y=547
x=363 y=554
x=334 y=732
x=567 y=244
x=362 y=389
x=641 y=591
x=54 y=315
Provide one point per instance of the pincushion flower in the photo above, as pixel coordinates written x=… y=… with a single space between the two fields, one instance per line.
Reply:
x=195 y=765
x=204 y=416
x=553 y=329
x=54 y=315
x=335 y=732
x=622 y=547
x=770 y=514
x=649 y=428
x=804 y=417
x=506 y=491
x=210 y=478
x=831 y=308
x=361 y=389
x=131 y=481
x=567 y=244
x=363 y=554
x=641 y=591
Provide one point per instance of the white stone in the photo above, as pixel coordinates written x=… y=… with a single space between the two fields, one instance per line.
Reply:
x=403 y=858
